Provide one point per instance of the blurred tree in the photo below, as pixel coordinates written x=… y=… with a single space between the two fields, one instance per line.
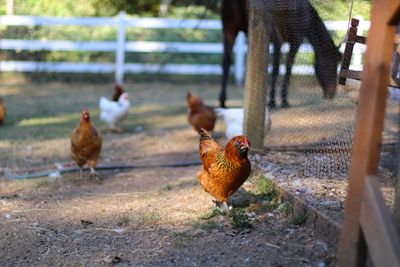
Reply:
x=133 y=7
x=212 y=5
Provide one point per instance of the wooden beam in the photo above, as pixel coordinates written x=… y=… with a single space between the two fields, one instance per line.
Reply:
x=255 y=96
x=378 y=227
x=348 y=50
x=369 y=126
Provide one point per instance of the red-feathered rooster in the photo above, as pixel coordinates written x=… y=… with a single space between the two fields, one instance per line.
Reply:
x=200 y=115
x=223 y=170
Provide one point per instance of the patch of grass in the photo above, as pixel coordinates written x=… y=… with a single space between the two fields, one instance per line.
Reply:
x=285 y=208
x=168 y=187
x=182 y=184
x=214 y=212
x=181 y=239
x=238 y=219
x=207 y=225
x=148 y=218
x=299 y=219
x=42 y=183
x=266 y=188
x=269 y=192
x=123 y=220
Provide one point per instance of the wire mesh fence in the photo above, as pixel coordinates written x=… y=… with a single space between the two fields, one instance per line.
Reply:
x=313 y=119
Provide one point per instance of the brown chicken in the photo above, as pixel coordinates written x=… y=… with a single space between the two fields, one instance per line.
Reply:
x=86 y=144
x=223 y=170
x=118 y=91
x=2 y=111
x=200 y=115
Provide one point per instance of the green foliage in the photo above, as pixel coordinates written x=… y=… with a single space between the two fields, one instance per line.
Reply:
x=147 y=218
x=339 y=9
x=214 y=212
x=300 y=219
x=123 y=220
x=239 y=219
x=285 y=208
x=112 y=7
x=267 y=189
x=207 y=225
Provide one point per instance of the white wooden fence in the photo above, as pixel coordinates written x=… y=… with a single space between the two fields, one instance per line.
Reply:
x=121 y=46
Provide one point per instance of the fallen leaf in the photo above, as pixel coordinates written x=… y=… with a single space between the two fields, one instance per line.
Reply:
x=86 y=223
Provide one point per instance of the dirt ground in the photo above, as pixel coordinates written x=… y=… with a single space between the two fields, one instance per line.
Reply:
x=149 y=216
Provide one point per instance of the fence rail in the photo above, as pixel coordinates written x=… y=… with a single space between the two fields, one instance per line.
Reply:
x=120 y=46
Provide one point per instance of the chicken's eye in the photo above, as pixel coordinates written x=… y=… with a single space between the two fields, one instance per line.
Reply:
x=237 y=144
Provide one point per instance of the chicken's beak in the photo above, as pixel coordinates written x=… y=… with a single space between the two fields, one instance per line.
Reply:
x=243 y=150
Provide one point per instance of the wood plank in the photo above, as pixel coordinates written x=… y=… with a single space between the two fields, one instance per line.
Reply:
x=351 y=74
x=361 y=39
x=369 y=126
x=255 y=95
x=378 y=227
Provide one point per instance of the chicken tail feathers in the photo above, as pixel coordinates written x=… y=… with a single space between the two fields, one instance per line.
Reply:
x=204 y=135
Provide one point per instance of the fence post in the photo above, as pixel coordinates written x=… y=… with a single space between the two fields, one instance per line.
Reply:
x=255 y=93
x=120 y=49
x=240 y=52
x=358 y=54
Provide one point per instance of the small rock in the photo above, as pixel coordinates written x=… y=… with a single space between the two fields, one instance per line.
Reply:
x=138 y=128
x=247 y=260
x=119 y=230
x=7 y=216
x=112 y=259
x=297 y=183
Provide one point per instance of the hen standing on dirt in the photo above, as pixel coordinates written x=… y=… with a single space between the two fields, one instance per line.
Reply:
x=223 y=170
x=2 y=111
x=86 y=144
x=200 y=115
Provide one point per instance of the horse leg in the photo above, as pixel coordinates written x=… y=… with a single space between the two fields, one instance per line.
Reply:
x=229 y=40
x=275 y=73
x=289 y=64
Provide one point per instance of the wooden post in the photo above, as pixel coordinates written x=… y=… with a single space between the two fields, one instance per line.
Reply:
x=370 y=117
x=397 y=189
x=120 y=52
x=255 y=96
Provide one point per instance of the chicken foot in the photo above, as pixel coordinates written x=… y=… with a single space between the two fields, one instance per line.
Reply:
x=95 y=174
x=222 y=206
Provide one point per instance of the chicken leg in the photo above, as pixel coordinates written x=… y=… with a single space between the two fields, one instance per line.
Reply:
x=222 y=206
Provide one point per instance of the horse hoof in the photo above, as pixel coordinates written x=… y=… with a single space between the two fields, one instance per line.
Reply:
x=271 y=104
x=285 y=104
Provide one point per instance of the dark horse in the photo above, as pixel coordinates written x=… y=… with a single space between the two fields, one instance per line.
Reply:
x=292 y=21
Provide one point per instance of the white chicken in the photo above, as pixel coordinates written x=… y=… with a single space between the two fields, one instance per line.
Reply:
x=113 y=112
x=233 y=119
